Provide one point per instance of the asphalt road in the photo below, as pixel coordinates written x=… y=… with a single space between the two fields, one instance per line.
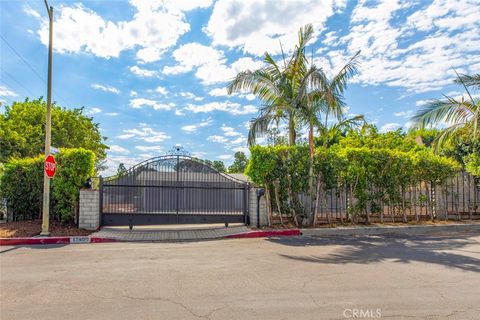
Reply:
x=436 y=277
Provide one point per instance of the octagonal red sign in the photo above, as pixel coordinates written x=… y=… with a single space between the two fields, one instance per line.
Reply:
x=50 y=166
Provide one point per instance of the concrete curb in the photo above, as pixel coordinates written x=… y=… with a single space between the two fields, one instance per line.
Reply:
x=52 y=240
x=265 y=234
x=404 y=230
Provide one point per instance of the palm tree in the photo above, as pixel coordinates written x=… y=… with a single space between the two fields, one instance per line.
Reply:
x=325 y=98
x=461 y=114
x=278 y=88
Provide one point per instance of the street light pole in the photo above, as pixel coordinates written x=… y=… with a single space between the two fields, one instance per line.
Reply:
x=48 y=131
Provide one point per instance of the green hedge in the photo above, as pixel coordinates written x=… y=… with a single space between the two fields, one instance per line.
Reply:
x=359 y=170
x=22 y=183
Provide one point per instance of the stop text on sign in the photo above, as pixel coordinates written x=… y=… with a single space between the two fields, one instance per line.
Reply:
x=50 y=166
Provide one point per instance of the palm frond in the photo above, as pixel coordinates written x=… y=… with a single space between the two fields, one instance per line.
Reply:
x=469 y=80
x=450 y=111
x=259 y=127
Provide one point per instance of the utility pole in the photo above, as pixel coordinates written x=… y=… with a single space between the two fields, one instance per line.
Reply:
x=48 y=131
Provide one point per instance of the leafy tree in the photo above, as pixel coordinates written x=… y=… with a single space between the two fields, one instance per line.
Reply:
x=23 y=132
x=275 y=137
x=217 y=165
x=121 y=170
x=427 y=136
x=239 y=163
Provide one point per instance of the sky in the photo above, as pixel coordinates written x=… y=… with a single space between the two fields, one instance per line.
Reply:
x=153 y=73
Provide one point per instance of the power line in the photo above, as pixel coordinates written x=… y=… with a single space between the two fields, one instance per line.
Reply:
x=17 y=82
x=21 y=58
x=31 y=68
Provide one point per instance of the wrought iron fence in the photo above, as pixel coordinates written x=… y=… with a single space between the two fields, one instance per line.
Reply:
x=456 y=199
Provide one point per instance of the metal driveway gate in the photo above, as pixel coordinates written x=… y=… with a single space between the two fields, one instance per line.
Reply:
x=172 y=189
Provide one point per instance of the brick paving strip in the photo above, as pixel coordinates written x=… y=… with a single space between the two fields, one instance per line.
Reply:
x=169 y=234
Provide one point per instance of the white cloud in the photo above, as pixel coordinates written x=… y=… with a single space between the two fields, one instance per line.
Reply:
x=401 y=54
x=6 y=92
x=133 y=93
x=230 y=132
x=422 y=102
x=249 y=96
x=105 y=88
x=161 y=90
x=192 y=55
x=143 y=72
x=405 y=114
x=94 y=110
x=389 y=127
x=217 y=138
x=190 y=95
x=112 y=114
x=194 y=127
x=226 y=106
x=144 y=133
x=149 y=148
x=218 y=92
x=225 y=157
x=154 y=28
x=31 y=12
x=138 y=103
x=257 y=26
x=117 y=149
x=211 y=63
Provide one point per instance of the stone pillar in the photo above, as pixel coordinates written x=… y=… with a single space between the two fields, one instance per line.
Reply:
x=89 y=209
x=253 y=208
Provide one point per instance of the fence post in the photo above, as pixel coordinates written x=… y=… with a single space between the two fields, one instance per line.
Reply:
x=100 y=197
x=246 y=211
x=434 y=200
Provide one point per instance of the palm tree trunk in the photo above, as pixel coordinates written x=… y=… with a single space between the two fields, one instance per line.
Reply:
x=311 y=178
x=291 y=130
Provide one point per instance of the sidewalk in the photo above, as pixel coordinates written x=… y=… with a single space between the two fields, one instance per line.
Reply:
x=403 y=230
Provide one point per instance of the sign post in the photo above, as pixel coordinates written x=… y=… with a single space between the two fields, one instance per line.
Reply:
x=48 y=128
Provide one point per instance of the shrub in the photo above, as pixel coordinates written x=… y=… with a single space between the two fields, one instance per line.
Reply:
x=371 y=175
x=22 y=183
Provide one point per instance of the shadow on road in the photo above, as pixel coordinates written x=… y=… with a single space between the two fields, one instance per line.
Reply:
x=400 y=249
x=38 y=246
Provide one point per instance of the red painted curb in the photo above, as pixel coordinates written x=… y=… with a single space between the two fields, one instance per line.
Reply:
x=52 y=240
x=266 y=234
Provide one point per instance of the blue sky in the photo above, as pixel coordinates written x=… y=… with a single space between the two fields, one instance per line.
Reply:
x=153 y=73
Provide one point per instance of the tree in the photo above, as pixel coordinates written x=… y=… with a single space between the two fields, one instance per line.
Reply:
x=275 y=138
x=121 y=170
x=219 y=166
x=277 y=88
x=461 y=114
x=22 y=130
x=239 y=163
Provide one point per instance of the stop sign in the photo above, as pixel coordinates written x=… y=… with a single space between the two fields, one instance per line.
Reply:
x=50 y=166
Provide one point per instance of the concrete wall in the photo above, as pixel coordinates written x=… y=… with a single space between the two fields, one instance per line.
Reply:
x=253 y=208
x=89 y=209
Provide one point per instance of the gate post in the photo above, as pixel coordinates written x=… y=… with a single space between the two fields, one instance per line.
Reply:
x=177 y=187
x=100 y=198
x=246 y=210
